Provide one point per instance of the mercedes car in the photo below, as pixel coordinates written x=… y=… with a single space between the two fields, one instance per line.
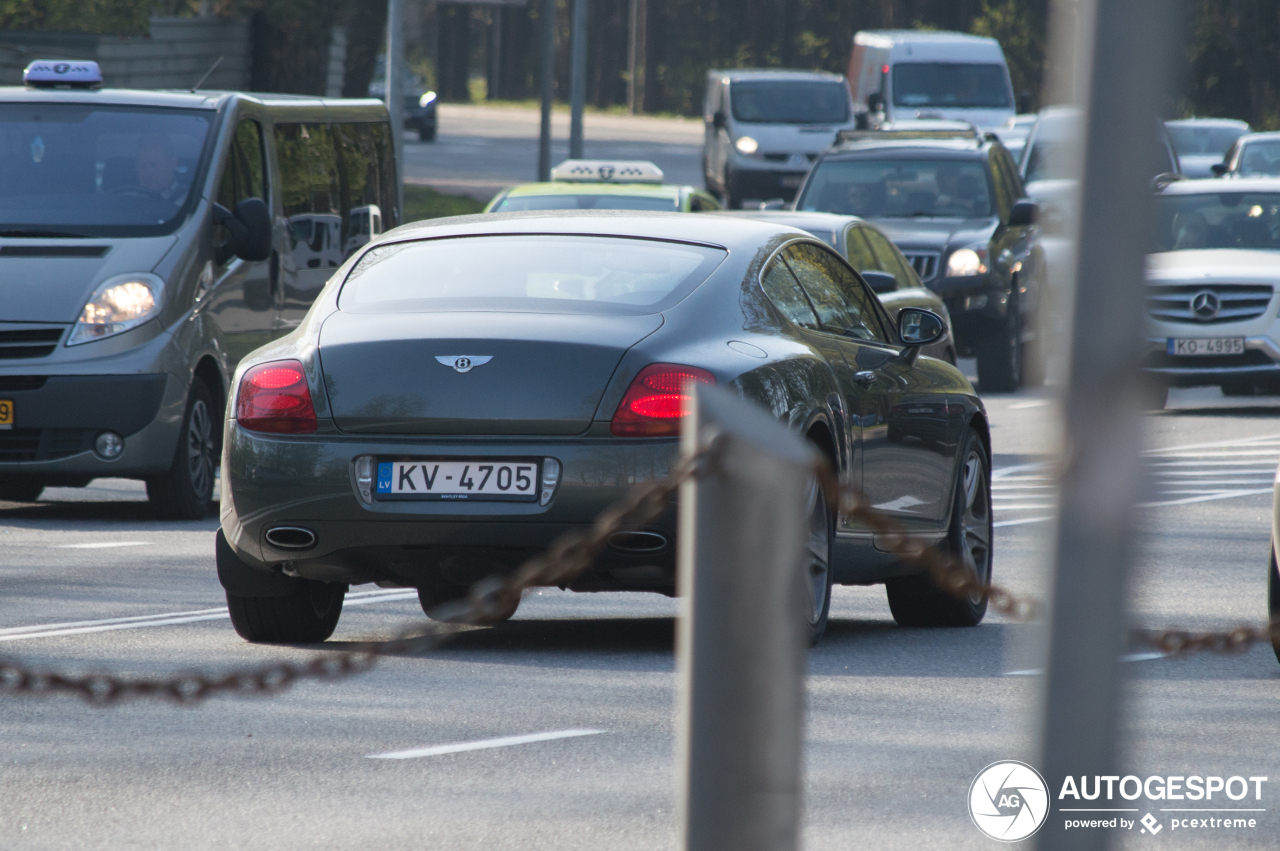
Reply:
x=466 y=390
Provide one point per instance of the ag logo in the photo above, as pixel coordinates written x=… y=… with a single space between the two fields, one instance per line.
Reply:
x=606 y=172
x=464 y=363
x=1008 y=800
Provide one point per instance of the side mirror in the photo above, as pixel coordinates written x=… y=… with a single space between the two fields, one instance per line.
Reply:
x=1218 y=169
x=248 y=231
x=919 y=327
x=719 y=121
x=875 y=102
x=1024 y=213
x=1025 y=102
x=880 y=282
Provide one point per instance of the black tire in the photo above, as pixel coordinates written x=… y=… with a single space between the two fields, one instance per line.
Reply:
x=818 y=564
x=1000 y=355
x=18 y=489
x=441 y=593
x=1273 y=600
x=1157 y=396
x=1035 y=363
x=185 y=492
x=1239 y=388
x=916 y=600
x=308 y=616
x=426 y=134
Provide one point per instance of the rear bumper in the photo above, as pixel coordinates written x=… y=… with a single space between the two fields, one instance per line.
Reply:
x=764 y=183
x=309 y=483
x=1260 y=362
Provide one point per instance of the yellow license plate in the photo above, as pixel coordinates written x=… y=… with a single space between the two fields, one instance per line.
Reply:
x=6 y=413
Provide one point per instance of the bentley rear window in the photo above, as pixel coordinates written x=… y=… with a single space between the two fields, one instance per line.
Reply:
x=546 y=273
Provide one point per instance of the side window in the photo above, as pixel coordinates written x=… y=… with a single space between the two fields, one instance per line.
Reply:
x=699 y=203
x=1015 y=179
x=244 y=174
x=858 y=252
x=842 y=303
x=380 y=188
x=1004 y=192
x=311 y=194
x=362 y=184
x=891 y=260
x=785 y=293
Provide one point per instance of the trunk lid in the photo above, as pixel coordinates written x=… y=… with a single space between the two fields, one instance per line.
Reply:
x=474 y=372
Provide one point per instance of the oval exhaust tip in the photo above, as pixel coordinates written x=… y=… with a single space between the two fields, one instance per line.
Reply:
x=291 y=538
x=637 y=542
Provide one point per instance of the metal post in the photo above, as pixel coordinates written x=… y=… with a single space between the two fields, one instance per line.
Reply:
x=1102 y=477
x=548 y=87
x=577 y=78
x=741 y=653
x=395 y=93
x=633 y=34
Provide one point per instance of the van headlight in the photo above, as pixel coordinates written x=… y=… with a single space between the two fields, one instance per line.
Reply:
x=120 y=304
x=746 y=145
x=427 y=99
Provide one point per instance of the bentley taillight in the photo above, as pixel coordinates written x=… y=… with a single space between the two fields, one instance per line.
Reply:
x=657 y=400
x=274 y=397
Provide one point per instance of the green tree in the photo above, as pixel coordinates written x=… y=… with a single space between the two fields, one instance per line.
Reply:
x=1020 y=27
x=91 y=16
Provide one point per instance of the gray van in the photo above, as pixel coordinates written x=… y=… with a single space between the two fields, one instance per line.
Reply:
x=764 y=128
x=148 y=241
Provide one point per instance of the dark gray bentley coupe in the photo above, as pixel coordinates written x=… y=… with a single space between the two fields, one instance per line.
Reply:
x=465 y=390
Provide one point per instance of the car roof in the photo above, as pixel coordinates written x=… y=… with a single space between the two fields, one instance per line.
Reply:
x=735 y=74
x=175 y=98
x=1266 y=135
x=926 y=36
x=1217 y=185
x=1207 y=122
x=720 y=231
x=639 y=190
x=942 y=149
x=805 y=220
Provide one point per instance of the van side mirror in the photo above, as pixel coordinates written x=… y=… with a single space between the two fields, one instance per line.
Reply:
x=248 y=229
x=1218 y=169
x=875 y=102
x=1024 y=213
x=880 y=282
x=718 y=121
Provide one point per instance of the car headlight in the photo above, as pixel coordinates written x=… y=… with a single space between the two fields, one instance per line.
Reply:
x=118 y=305
x=746 y=145
x=965 y=262
x=427 y=99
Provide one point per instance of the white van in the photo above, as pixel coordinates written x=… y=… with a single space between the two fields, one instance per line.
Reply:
x=910 y=74
x=764 y=127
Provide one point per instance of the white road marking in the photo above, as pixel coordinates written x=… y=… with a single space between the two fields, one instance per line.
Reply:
x=485 y=744
x=19 y=633
x=1034 y=403
x=1210 y=498
x=102 y=545
x=1128 y=657
x=1021 y=522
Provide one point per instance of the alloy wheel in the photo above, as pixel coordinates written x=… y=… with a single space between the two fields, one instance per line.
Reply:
x=975 y=521
x=200 y=461
x=819 y=552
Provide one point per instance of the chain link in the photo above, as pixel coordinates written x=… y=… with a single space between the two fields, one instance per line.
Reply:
x=491 y=600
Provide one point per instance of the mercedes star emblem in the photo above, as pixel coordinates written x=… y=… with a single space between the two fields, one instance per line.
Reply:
x=1205 y=305
x=464 y=363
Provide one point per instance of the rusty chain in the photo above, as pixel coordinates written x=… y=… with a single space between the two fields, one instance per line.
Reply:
x=492 y=599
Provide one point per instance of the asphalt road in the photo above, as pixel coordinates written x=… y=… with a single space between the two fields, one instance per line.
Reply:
x=900 y=720
x=480 y=150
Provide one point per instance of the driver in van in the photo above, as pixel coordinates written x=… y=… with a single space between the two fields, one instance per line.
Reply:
x=157 y=167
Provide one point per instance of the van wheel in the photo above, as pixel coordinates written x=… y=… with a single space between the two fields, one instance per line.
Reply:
x=1000 y=356
x=18 y=489
x=308 y=616
x=186 y=490
x=426 y=134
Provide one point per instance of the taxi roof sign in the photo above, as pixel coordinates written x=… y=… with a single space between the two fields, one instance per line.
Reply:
x=73 y=73
x=606 y=171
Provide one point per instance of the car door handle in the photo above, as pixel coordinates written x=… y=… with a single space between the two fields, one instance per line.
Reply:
x=865 y=377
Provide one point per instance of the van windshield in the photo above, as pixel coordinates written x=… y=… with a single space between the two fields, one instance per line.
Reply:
x=96 y=170
x=790 y=101
x=951 y=84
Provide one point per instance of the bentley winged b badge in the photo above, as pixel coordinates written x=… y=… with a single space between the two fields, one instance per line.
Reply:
x=464 y=363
